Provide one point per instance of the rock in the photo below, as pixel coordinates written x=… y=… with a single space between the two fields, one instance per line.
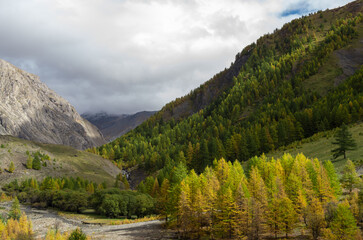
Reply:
x=30 y=110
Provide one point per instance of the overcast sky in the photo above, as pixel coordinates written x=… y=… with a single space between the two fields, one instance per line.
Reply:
x=124 y=56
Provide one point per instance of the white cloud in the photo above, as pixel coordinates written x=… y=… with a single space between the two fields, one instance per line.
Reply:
x=124 y=56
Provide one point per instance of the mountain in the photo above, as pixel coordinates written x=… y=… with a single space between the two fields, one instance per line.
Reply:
x=113 y=126
x=30 y=110
x=299 y=80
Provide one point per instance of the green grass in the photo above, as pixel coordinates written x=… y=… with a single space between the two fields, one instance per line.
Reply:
x=69 y=162
x=323 y=81
x=89 y=216
x=320 y=146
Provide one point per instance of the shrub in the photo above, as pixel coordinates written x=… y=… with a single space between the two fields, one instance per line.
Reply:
x=77 y=235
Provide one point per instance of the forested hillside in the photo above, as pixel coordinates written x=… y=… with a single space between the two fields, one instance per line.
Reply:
x=270 y=104
x=203 y=156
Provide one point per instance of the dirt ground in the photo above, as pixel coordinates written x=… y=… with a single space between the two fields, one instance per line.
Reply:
x=45 y=219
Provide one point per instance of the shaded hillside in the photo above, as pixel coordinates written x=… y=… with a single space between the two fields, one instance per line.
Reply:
x=64 y=161
x=113 y=126
x=204 y=95
x=30 y=110
x=294 y=83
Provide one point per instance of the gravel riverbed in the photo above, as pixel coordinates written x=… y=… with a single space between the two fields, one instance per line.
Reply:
x=45 y=219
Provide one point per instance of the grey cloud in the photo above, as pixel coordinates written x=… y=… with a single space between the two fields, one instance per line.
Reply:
x=123 y=56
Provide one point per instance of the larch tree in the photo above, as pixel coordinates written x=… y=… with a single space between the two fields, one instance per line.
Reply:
x=344 y=225
x=350 y=177
x=315 y=218
x=11 y=167
x=227 y=212
x=258 y=207
x=288 y=215
x=15 y=212
x=333 y=178
x=29 y=162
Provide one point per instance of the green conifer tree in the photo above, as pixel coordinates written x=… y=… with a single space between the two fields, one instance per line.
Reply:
x=36 y=163
x=15 y=212
x=11 y=167
x=29 y=162
x=345 y=142
x=350 y=177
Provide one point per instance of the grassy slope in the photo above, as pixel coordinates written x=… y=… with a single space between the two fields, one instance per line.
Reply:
x=69 y=162
x=332 y=72
x=334 y=69
x=320 y=146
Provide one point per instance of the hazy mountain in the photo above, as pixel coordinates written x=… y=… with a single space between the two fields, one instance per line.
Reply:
x=30 y=110
x=113 y=126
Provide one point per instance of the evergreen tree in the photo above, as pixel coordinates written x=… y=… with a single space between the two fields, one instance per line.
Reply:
x=315 y=218
x=344 y=225
x=77 y=235
x=15 y=212
x=345 y=142
x=288 y=215
x=226 y=213
x=333 y=177
x=163 y=199
x=11 y=167
x=29 y=162
x=350 y=177
x=36 y=163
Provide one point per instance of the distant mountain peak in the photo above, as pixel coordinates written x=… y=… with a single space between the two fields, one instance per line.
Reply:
x=113 y=126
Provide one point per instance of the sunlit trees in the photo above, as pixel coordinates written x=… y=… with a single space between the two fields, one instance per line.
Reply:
x=343 y=225
x=276 y=197
x=350 y=177
x=315 y=218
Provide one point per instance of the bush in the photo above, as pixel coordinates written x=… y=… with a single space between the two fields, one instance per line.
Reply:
x=11 y=167
x=77 y=235
x=36 y=163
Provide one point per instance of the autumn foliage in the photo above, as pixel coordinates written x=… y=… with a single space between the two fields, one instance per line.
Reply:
x=274 y=197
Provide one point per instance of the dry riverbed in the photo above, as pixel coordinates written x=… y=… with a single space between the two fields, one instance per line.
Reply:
x=45 y=219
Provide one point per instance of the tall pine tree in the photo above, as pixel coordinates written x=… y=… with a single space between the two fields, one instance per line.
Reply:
x=344 y=141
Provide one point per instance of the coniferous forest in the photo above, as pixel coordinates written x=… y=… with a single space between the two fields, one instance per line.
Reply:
x=207 y=174
x=196 y=161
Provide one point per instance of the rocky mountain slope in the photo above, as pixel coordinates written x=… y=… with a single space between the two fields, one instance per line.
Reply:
x=113 y=126
x=30 y=110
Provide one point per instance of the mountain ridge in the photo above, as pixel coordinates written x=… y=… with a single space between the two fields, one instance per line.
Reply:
x=30 y=110
x=270 y=104
x=113 y=126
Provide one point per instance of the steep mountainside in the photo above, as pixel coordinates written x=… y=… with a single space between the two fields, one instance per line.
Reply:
x=204 y=95
x=30 y=110
x=113 y=126
x=300 y=80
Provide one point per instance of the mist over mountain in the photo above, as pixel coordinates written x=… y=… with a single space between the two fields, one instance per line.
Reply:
x=113 y=126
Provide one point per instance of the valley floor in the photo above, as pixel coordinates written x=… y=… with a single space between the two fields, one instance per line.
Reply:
x=45 y=219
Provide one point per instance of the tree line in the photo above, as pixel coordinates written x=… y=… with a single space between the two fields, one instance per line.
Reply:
x=77 y=195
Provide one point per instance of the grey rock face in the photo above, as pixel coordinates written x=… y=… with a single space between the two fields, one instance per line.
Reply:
x=30 y=110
